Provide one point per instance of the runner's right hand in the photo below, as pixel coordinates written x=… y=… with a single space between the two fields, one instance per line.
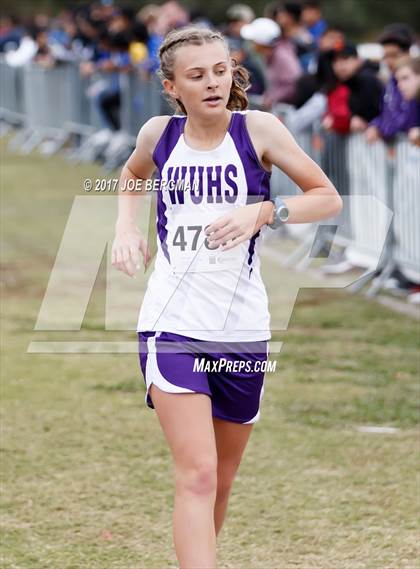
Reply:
x=125 y=250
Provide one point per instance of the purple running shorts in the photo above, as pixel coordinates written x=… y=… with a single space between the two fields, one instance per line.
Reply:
x=228 y=372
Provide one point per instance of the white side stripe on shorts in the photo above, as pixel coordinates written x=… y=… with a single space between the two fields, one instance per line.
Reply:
x=153 y=374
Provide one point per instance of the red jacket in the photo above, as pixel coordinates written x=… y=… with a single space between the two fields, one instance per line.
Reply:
x=339 y=110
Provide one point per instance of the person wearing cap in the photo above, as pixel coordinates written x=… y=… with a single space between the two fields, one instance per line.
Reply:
x=356 y=98
x=397 y=115
x=283 y=68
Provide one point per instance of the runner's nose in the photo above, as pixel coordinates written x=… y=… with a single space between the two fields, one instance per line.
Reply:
x=212 y=82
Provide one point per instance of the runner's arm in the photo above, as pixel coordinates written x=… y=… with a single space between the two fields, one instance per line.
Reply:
x=281 y=149
x=139 y=166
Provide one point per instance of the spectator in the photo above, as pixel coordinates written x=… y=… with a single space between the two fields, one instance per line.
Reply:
x=312 y=19
x=149 y=16
x=171 y=15
x=106 y=93
x=88 y=37
x=407 y=74
x=283 y=67
x=138 y=44
x=288 y=16
x=26 y=50
x=312 y=88
x=57 y=33
x=42 y=21
x=356 y=98
x=121 y=21
x=237 y=16
x=321 y=79
x=73 y=41
x=252 y=63
x=101 y=12
x=397 y=115
x=62 y=39
x=100 y=50
x=44 y=55
x=11 y=33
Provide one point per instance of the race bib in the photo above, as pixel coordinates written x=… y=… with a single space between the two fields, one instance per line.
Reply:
x=189 y=250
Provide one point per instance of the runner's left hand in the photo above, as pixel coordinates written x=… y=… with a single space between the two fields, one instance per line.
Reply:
x=239 y=225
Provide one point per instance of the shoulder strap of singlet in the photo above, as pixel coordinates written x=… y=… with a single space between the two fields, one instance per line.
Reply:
x=242 y=139
x=168 y=140
x=235 y=124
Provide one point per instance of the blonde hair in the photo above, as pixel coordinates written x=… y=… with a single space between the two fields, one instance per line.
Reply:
x=412 y=62
x=195 y=35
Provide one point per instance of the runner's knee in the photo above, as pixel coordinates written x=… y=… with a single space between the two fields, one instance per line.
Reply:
x=198 y=477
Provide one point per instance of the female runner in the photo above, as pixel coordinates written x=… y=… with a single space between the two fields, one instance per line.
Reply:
x=204 y=325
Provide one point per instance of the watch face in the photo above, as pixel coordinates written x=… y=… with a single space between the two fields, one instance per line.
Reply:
x=283 y=213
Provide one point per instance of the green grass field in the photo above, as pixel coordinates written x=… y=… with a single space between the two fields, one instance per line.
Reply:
x=86 y=475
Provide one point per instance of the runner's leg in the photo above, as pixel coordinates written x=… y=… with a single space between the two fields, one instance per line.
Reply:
x=186 y=421
x=231 y=440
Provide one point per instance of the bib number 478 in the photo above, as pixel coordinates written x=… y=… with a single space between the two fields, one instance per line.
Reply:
x=194 y=232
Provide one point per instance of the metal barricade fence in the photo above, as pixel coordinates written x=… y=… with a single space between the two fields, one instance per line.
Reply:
x=368 y=175
x=334 y=163
x=282 y=185
x=36 y=104
x=380 y=234
x=406 y=207
x=11 y=93
x=83 y=118
x=54 y=105
x=140 y=100
x=357 y=168
x=329 y=151
x=57 y=102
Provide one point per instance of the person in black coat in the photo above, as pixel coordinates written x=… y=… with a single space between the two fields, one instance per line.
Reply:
x=365 y=90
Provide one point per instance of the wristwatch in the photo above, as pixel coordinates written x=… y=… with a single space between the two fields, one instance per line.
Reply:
x=281 y=212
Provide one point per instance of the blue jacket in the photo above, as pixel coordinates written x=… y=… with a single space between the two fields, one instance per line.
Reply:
x=397 y=114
